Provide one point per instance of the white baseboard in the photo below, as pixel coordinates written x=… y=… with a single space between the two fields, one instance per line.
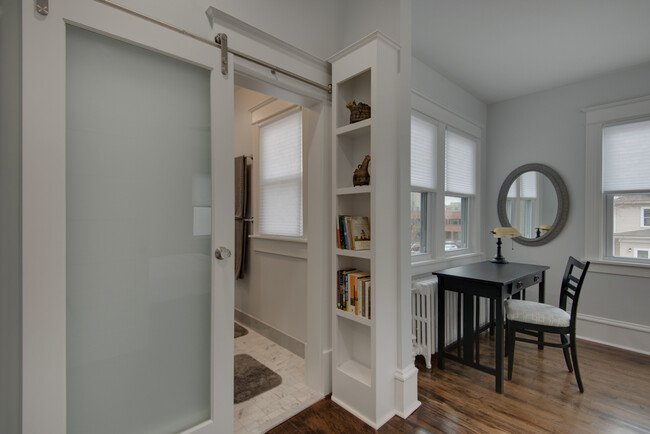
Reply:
x=374 y=425
x=619 y=334
x=284 y=340
x=406 y=391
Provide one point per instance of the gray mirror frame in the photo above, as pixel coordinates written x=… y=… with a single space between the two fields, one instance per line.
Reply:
x=562 y=202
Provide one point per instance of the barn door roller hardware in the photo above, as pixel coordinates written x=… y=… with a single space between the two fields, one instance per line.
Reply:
x=221 y=41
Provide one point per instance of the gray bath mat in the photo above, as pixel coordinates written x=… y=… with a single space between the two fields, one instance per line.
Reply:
x=240 y=331
x=252 y=378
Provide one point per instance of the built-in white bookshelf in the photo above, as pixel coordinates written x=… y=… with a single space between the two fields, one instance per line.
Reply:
x=364 y=350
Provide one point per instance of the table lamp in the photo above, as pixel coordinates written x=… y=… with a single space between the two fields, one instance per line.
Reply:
x=499 y=233
x=542 y=229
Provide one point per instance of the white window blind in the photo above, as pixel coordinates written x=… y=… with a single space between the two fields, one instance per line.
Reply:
x=528 y=185
x=512 y=191
x=280 y=149
x=626 y=157
x=460 y=164
x=424 y=138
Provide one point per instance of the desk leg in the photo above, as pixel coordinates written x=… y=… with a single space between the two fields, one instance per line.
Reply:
x=541 y=297
x=499 y=344
x=469 y=334
x=441 y=324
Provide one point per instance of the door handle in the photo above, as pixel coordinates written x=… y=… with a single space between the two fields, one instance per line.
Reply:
x=222 y=253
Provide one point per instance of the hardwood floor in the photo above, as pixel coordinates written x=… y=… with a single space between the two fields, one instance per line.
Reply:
x=542 y=397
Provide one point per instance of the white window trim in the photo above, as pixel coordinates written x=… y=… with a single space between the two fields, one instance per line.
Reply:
x=596 y=118
x=643 y=225
x=437 y=257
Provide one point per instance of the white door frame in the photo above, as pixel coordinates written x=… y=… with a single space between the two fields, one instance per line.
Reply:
x=263 y=46
x=44 y=209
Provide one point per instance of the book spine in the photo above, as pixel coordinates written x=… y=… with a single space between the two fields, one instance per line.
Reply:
x=348 y=303
x=362 y=299
x=356 y=296
x=338 y=289
x=348 y=223
x=338 y=233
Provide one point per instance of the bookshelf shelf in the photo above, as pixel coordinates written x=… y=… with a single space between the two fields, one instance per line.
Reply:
x=363 y=254
x=363 y=350
x=357 y=129
x=361 y=189
x=361 y=320
x=356 y=370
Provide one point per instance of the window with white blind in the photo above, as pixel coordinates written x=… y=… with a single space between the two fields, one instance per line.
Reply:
x=280 y=155
x=424 y=149
x=443 y=186
x=460 y=188
x=626 y=189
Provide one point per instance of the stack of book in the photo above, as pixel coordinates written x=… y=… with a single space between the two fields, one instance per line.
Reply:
x=353 y=232
x=354 y=292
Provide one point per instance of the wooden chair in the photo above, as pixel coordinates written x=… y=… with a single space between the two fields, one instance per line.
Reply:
x=535 y=319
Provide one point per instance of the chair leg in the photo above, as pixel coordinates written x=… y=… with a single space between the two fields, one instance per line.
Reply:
x=510 y=345
x=507 y=342
x=574 y=356
x=567 y=359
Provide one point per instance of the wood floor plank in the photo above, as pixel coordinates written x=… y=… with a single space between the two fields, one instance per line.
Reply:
x=542 y=397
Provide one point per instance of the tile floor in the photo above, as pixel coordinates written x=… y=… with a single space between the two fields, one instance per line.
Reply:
x=263 y=412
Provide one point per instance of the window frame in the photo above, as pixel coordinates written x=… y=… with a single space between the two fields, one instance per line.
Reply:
x=443 y=119
x=597 y=228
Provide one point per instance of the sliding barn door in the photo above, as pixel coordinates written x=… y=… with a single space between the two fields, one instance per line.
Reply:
x=128 y=192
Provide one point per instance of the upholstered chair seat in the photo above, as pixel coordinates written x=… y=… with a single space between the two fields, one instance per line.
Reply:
x=537 y=313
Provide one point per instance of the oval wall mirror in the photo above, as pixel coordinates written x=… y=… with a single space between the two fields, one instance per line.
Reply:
x=534 y=200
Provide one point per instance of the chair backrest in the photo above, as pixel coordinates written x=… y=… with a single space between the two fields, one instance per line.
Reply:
x=574 y=276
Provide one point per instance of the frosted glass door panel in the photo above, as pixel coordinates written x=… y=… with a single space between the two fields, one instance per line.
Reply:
x=138 y=275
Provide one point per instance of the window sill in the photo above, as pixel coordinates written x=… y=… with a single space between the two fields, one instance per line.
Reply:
x=430 y=265
x=608 y=266
x=278 y=238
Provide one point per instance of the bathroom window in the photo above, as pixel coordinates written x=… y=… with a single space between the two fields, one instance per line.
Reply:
x=281 y=172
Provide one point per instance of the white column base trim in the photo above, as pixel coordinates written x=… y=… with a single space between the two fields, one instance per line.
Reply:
x=326 y=363
x=374 y=425
x=406 y=391
x=619 y=334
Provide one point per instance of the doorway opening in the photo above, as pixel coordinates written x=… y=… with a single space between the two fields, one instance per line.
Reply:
x=271 y=296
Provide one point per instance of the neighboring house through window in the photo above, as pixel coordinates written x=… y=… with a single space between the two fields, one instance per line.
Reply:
x=645 y=217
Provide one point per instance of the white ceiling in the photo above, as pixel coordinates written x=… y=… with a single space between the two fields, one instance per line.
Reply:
x=501 y=49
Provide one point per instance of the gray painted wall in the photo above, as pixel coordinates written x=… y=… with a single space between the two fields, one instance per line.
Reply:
x=446 y=93
x=315 y=32
x=10 y=217
x=549 y=127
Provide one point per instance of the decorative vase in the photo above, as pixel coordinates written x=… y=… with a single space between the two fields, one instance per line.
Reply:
x=361 y=174
x=358 y=112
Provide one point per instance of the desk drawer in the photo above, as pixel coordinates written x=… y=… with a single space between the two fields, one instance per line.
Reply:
x=525 y=282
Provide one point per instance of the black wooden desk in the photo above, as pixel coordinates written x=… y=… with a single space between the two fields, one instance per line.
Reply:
x=489 y=280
